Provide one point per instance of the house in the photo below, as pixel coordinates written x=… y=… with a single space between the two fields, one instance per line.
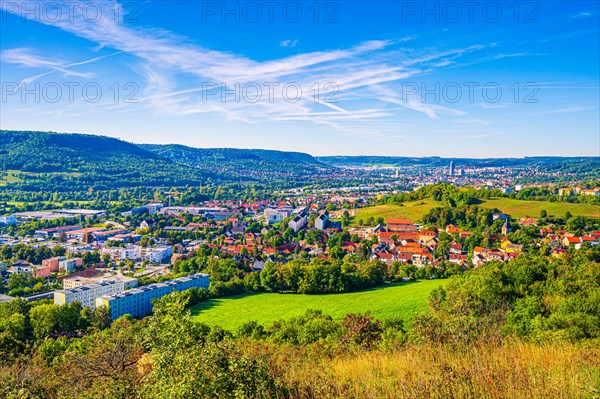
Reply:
x=528 y=221
x=595 y=192
x=589 y=239
x=458 y=259
x=565 y=192
x=574 y=241
x=258 y=265
x=455 y=248
x=131 y=252
x=426 y=235
x=451 y=229
x=421 y=259
x=513 y=248
x=55 y=231
x=400 y=225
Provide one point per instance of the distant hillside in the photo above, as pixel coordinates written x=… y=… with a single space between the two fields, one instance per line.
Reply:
x=36 y=161
x=73 y=162
x=254 y=164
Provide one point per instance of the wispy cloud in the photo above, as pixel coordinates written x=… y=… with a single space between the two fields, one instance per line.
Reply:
x=177 y=71
x=288 y=43
x=569 y=110
x=28 y=58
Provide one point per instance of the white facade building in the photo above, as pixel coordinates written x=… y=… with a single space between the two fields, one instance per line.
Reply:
x=87 y=294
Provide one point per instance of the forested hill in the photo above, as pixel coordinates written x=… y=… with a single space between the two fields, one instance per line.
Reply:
x=55 y=152
x=78 y=162
x=35 y=161
x=254 y=164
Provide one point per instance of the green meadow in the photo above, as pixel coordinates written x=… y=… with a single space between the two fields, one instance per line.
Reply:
x=393 y=300
x=516 y=208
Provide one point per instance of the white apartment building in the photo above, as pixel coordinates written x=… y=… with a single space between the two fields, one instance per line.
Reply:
x=87 y=294
x=276 y=215
x=73 y=282
x=159 y=254
x=132 y=252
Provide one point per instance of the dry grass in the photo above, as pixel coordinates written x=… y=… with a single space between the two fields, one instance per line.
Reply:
x=509 y=371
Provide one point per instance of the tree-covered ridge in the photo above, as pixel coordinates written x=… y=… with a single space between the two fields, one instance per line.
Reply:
x=54 y=152
x=58 y=162
x=177 y=152
x=78 y=162
x=258 y=165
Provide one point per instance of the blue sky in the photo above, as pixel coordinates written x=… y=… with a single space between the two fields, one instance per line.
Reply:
x=472 y=79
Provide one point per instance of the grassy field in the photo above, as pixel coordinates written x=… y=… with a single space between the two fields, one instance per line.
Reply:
x=409 y=210
x=12 y=176
x=516 y=208
x=483 y=370
x=519 y=209
x=397 y=300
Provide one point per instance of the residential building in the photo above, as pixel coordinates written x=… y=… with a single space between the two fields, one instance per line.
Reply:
x=149 y=209
x=42 y=271
x=300 y=219
x=87 y=294
x=53 y=262
x=79 y=281
x=138 y=301
x=276 y=215
x=159 y=254
x=400 y=225
x=321 y=221
x=595 y=192
x=8 y=220
x=131 y=252
x=68 y=266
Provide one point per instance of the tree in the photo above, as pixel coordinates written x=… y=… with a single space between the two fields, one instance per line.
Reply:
x=44 y=320
x=268 y=277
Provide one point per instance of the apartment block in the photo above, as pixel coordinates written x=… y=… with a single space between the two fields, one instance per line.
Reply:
x=129 y=282
x=88 y=294
x=276 y=215
x=53 y=262
x=138 y=301
x=159 y=254
x=67 y=266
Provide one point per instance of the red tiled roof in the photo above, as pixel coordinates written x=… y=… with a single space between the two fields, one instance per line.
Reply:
x=399 y=221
